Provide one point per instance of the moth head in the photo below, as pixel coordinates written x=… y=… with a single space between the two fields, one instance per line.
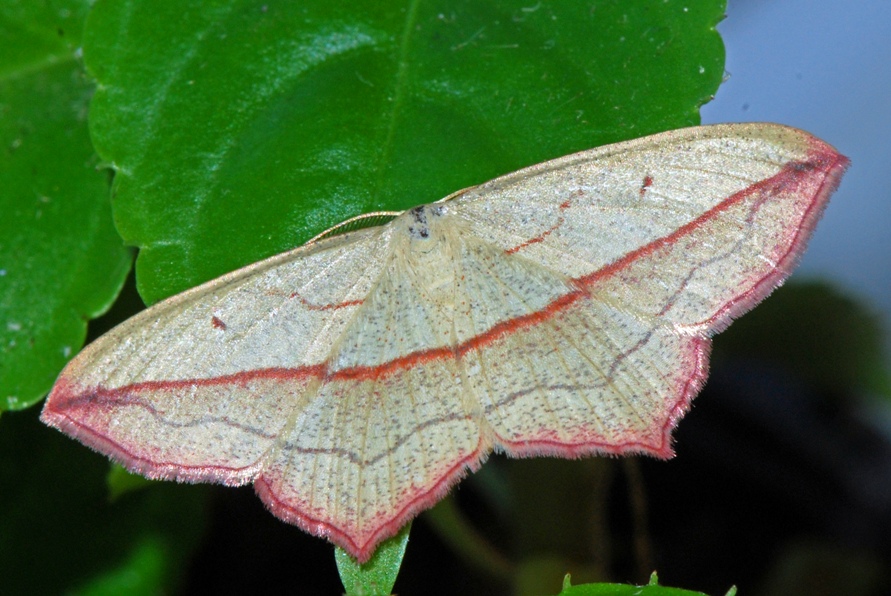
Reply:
x=423 y=227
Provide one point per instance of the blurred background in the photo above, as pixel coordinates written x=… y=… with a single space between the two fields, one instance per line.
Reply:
x=824 y=67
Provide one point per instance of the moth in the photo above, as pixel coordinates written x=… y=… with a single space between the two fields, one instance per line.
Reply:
x=565 y=309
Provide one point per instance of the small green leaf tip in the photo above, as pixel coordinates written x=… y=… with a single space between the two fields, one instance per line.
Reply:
x=376 y=576
x=566 y=582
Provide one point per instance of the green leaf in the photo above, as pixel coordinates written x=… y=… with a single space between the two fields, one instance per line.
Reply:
x=74 y=539
x=625 y=590
x=652 y=589
x=241 y=128
x=61 y=261
x=377 y=576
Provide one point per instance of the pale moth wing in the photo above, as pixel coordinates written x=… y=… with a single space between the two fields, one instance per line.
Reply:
x=564 y=309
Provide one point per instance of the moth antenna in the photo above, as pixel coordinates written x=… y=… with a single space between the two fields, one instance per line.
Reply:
x=360 y=222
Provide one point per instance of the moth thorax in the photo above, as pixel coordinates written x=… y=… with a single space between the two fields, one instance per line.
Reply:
x=430 y=254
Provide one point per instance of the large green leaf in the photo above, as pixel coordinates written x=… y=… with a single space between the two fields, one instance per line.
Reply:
x=61 y=261
x=240 y=128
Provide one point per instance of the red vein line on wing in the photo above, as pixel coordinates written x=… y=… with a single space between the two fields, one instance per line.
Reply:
x=331 y=306
x=791 y=174
x=540 y=238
